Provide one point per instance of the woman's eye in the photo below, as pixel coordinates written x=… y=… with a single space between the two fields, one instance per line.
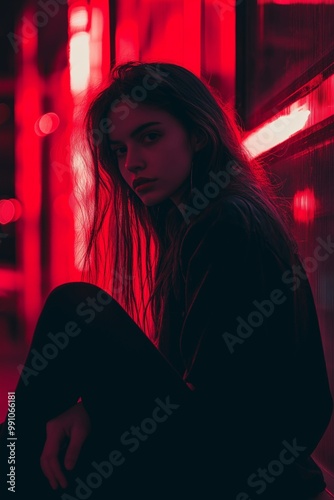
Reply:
x=152 y=133
x=118 y=152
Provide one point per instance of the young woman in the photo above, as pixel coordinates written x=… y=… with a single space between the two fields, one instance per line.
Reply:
x=227 y=396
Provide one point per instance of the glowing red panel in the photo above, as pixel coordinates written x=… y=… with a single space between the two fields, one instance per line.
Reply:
x=191 y=35
x=127 y=40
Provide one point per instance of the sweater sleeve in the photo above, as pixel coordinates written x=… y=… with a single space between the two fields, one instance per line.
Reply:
x=247 y=352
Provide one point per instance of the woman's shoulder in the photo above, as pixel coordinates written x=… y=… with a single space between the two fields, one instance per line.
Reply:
x=233 y=213
x=229 y=211
x=236 y=222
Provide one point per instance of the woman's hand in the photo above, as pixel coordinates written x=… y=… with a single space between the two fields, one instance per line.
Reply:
x=73 y=424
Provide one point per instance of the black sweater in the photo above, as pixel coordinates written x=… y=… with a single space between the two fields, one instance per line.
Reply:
x=245 y=334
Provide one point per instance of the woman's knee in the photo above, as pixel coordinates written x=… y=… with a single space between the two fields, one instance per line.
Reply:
x=74 y=306
x=83 y=297
x=78 y=290
x=83 y=306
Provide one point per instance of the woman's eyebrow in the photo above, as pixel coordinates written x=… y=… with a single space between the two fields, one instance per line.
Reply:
x=137 y=130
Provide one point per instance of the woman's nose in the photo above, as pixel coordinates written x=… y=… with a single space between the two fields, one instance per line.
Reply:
x=133 y=162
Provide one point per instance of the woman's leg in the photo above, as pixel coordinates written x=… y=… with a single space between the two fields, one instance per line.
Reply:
x=86 y=345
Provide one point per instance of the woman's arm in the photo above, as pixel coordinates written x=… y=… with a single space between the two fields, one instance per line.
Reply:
x=247 y=349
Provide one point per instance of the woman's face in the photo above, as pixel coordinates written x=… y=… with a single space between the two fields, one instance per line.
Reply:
x=160 y=151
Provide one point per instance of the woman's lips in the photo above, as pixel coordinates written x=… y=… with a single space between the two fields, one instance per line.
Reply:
x=145 y=185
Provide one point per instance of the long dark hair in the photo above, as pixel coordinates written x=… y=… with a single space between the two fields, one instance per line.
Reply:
x=119 y=216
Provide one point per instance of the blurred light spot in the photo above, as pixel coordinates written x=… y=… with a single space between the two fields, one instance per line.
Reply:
x=10 y=211
x=46 y=124
x=79 y=19
x=304 y=205
x=79 y=62
x=5 y=112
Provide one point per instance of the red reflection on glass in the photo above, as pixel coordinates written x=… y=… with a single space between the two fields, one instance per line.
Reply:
x=46 y=124
x=304 y=205
x=10 y=211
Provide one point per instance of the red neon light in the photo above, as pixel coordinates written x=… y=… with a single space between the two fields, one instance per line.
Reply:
x=276 y=131
x=304 y=205
x=28 y=180
x=96 y=47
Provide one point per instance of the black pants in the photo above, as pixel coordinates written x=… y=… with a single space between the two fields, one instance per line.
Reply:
x=143 y=440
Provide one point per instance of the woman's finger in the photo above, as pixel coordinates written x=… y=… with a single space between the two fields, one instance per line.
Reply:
x=77 y=438
x=53 y=472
